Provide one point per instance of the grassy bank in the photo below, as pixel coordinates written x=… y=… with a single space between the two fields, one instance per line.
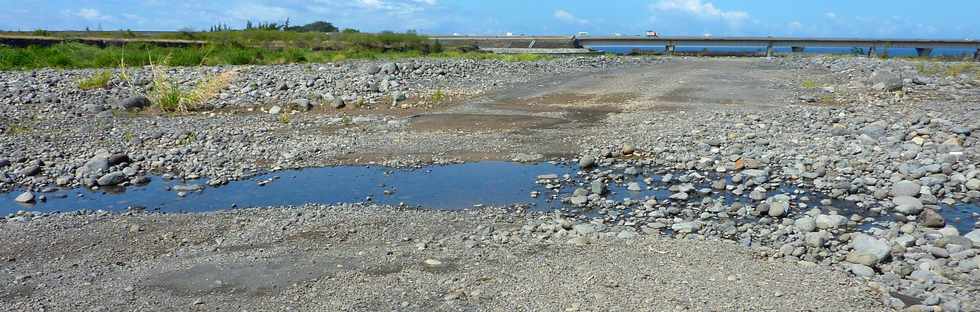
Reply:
x=75 y=55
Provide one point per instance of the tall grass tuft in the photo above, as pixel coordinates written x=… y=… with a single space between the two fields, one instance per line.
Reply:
x=168 y=95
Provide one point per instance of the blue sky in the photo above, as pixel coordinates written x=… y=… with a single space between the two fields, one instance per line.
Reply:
x=956 y=19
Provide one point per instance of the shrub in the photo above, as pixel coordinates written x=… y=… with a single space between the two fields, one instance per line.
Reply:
x=96 y=81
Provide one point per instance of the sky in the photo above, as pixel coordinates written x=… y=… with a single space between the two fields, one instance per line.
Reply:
x=951 y=19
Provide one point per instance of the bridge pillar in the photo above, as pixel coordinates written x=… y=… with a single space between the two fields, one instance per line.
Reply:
x=923 y=52
x=669 y=50
x=797 y=49
x=769 y=50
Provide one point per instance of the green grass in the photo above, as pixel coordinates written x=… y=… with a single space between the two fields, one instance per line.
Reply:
x=438 y=96
x=15 y=129
x=76 y=55
x=283 y=118
x=168 y=95
x=96 y=81
x=952 y=70
x=810 y=84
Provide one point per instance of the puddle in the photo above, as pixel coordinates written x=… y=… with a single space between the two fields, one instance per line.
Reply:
x=438 y=187
x=448 y=187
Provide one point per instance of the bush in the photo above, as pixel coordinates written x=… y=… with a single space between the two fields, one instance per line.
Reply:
x=96 y=81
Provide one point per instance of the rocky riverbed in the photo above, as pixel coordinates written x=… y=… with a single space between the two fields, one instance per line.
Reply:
x=890 y=148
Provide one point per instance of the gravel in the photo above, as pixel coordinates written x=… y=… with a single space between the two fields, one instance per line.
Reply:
x=869 y=181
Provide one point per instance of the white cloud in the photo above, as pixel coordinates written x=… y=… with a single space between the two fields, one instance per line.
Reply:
x=92 y=15
x=795 y=25
x=261 y=13
x=373 y=4
x=567 y=17
x=830 y=15
x=701 y=10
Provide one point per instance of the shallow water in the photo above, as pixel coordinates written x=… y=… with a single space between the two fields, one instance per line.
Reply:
x=446 y=187
x=437 y=187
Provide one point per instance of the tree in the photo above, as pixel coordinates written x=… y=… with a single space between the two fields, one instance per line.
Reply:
x=318 y=26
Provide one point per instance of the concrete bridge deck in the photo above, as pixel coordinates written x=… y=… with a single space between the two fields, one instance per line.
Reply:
x=924 y=47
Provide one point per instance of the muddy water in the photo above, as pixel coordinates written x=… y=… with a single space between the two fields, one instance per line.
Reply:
x=448 y=187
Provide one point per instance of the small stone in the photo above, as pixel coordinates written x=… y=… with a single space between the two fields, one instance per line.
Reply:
x=931 y=218
x=432 y=263
x=861 y=270
x=30 y=171
x=974 y=237
x=816 y=239
x=275 y=110
x=25 y=198
x=586 y=162
x=598 y=187
x=972 y=184
x=338 y=103
x=805 y=224
x=301 y=104
x=778 y=205
x=628 y=149
x=634 y=187
x=686 y=227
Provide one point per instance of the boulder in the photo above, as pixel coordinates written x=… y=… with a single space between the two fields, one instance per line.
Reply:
x=887 y=81
x=906 y=188
x=805 y=224
x=825 y=222
x=301 y=104
x=868 y=250
x=974 y=237
x=338 y=103
x=778 y=205
x=907 y=205
x=134 y=102
x=113 y=178
x=931 y=218
x=25 y=198
x=686 y=227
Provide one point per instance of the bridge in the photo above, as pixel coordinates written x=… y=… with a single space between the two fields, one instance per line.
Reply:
x=923 y=47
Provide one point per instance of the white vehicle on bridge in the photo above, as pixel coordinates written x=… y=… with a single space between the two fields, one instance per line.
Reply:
x=652 y=34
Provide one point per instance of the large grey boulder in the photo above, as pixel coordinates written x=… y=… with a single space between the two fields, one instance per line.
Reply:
x=907 y=205
x=586 y=162
x=114 y=178
x=134 y=102
x=886 y=81
x=906 y=188
x=389 y=68
x=974 y=237
x=94 y=167
x=825 y=222
x=686 y=227
x=805 y=224
x=868 y=250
